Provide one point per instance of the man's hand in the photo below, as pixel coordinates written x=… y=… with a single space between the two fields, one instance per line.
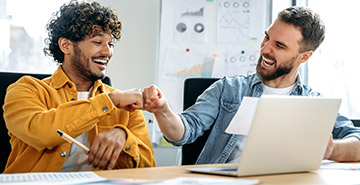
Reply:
x=329 y=148
x=129 y=100
x=106 y=148
x=154 y=100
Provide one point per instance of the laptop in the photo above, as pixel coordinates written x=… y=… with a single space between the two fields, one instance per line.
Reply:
x=288 y=134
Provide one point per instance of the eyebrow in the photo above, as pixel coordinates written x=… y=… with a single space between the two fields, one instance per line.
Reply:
x=96 y=35
x=101 y=35
x=277 y=42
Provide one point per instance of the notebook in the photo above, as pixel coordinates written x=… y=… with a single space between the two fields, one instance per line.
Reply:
x=288 y=134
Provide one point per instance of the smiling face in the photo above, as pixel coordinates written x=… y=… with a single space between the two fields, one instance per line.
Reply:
x=280 y=57
x=89 y=57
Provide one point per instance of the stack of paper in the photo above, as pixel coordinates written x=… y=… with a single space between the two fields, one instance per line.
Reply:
x=50 y=178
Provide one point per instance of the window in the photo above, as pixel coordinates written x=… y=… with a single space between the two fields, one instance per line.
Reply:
x=22 y=34
x=334 y=68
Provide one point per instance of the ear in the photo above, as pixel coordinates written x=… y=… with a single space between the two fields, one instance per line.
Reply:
x=305 y=56
x=65 y=45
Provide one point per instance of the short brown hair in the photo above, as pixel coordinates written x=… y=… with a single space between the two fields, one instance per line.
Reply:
x=311 y=26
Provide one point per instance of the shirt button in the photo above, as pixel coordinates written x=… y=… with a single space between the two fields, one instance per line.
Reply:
x=230 y=108
x=105 y=109
x=63 y=154
x=70 y=85
x=127 y=148
x=73 y=99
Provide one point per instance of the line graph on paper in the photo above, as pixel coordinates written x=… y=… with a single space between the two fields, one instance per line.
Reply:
x=203 y=70
x=181 y=65
x=233 y=21
x=229 y=21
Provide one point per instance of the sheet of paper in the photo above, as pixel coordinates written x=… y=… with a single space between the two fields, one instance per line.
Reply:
x=205 y=181
x=190 y=21
x=326 y=164
x=50 y=178
x=242 y=120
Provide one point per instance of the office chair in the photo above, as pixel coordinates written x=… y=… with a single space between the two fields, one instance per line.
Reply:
x=193 y=87
x=7 y=78
x=356 y=122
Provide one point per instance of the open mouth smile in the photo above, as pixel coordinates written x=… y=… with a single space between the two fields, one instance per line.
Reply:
x=101 y=61
x=268 y=62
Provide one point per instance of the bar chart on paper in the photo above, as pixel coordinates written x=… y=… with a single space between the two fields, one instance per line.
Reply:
x=182 y=65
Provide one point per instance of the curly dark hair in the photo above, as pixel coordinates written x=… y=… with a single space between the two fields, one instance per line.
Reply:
x=311 y=26
x=76 y=20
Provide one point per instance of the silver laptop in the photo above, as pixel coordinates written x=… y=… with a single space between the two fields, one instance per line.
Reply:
x=288 y=134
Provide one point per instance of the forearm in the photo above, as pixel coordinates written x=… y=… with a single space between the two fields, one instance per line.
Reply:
x=35 y=123
x=129 y=99
x=137 y=151
x=346 y=150
x=170 y=124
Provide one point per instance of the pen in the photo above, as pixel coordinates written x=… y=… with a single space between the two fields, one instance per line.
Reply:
x=71 y=140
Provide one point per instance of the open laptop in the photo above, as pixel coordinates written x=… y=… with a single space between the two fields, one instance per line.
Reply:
x=288 y=134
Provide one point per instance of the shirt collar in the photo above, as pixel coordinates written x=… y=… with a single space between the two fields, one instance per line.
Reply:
x=60 y=79
x=255 y=81
x=298 y=85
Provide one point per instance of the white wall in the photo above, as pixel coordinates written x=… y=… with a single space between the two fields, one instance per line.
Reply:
x=278 y=6
x=135 y=55
x=134 y=64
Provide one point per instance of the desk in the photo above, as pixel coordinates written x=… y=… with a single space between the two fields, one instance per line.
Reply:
x=321 y=176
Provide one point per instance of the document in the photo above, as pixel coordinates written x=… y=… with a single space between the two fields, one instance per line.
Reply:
x=204 y=181
x=241 y=122
x=327 y=164
x=50 y=178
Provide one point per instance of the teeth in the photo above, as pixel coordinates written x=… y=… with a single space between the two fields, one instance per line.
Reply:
x=268 y=62
x=101 y=61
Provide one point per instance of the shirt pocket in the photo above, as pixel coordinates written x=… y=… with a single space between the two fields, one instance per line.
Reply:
x=228 y=110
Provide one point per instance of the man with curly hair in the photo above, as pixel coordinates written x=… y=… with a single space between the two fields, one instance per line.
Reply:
x=76 y=101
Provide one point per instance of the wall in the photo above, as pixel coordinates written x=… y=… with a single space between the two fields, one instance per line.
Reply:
x=135 y=55
x=135 y=60
x=228 y=44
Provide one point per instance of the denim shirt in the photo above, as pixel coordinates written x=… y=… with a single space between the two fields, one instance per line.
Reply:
x=219 y=103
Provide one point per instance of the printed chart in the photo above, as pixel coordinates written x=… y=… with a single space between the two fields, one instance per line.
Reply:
x=181 y=65
x=233 y=21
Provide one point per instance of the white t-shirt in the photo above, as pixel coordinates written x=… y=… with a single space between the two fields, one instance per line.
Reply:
x=77 y=159
x=278 y=91
x=238 y=150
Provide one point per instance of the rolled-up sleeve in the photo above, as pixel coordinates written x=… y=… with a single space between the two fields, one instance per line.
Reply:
x=344 y=128
x=137 y=151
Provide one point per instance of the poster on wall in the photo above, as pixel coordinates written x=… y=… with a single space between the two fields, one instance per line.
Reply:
x=233 y=21
x=190 y=21
x=208 y=39
x=181 y=65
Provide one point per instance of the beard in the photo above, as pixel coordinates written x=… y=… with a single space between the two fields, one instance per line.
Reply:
x=280 y=70
x=80 y=63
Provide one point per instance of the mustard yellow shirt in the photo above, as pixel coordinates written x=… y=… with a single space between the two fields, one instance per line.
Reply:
x=34 y=109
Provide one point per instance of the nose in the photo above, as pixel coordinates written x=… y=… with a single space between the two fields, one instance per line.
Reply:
x=106 y=50
x=266 y=47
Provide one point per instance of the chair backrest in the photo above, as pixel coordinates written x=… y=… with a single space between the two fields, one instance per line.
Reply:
x=193 y=87
x=356 y=122
x=106 y=80
x=7 y=78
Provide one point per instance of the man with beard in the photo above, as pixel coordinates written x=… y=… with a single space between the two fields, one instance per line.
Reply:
x=288 y=42
x=76 y=101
